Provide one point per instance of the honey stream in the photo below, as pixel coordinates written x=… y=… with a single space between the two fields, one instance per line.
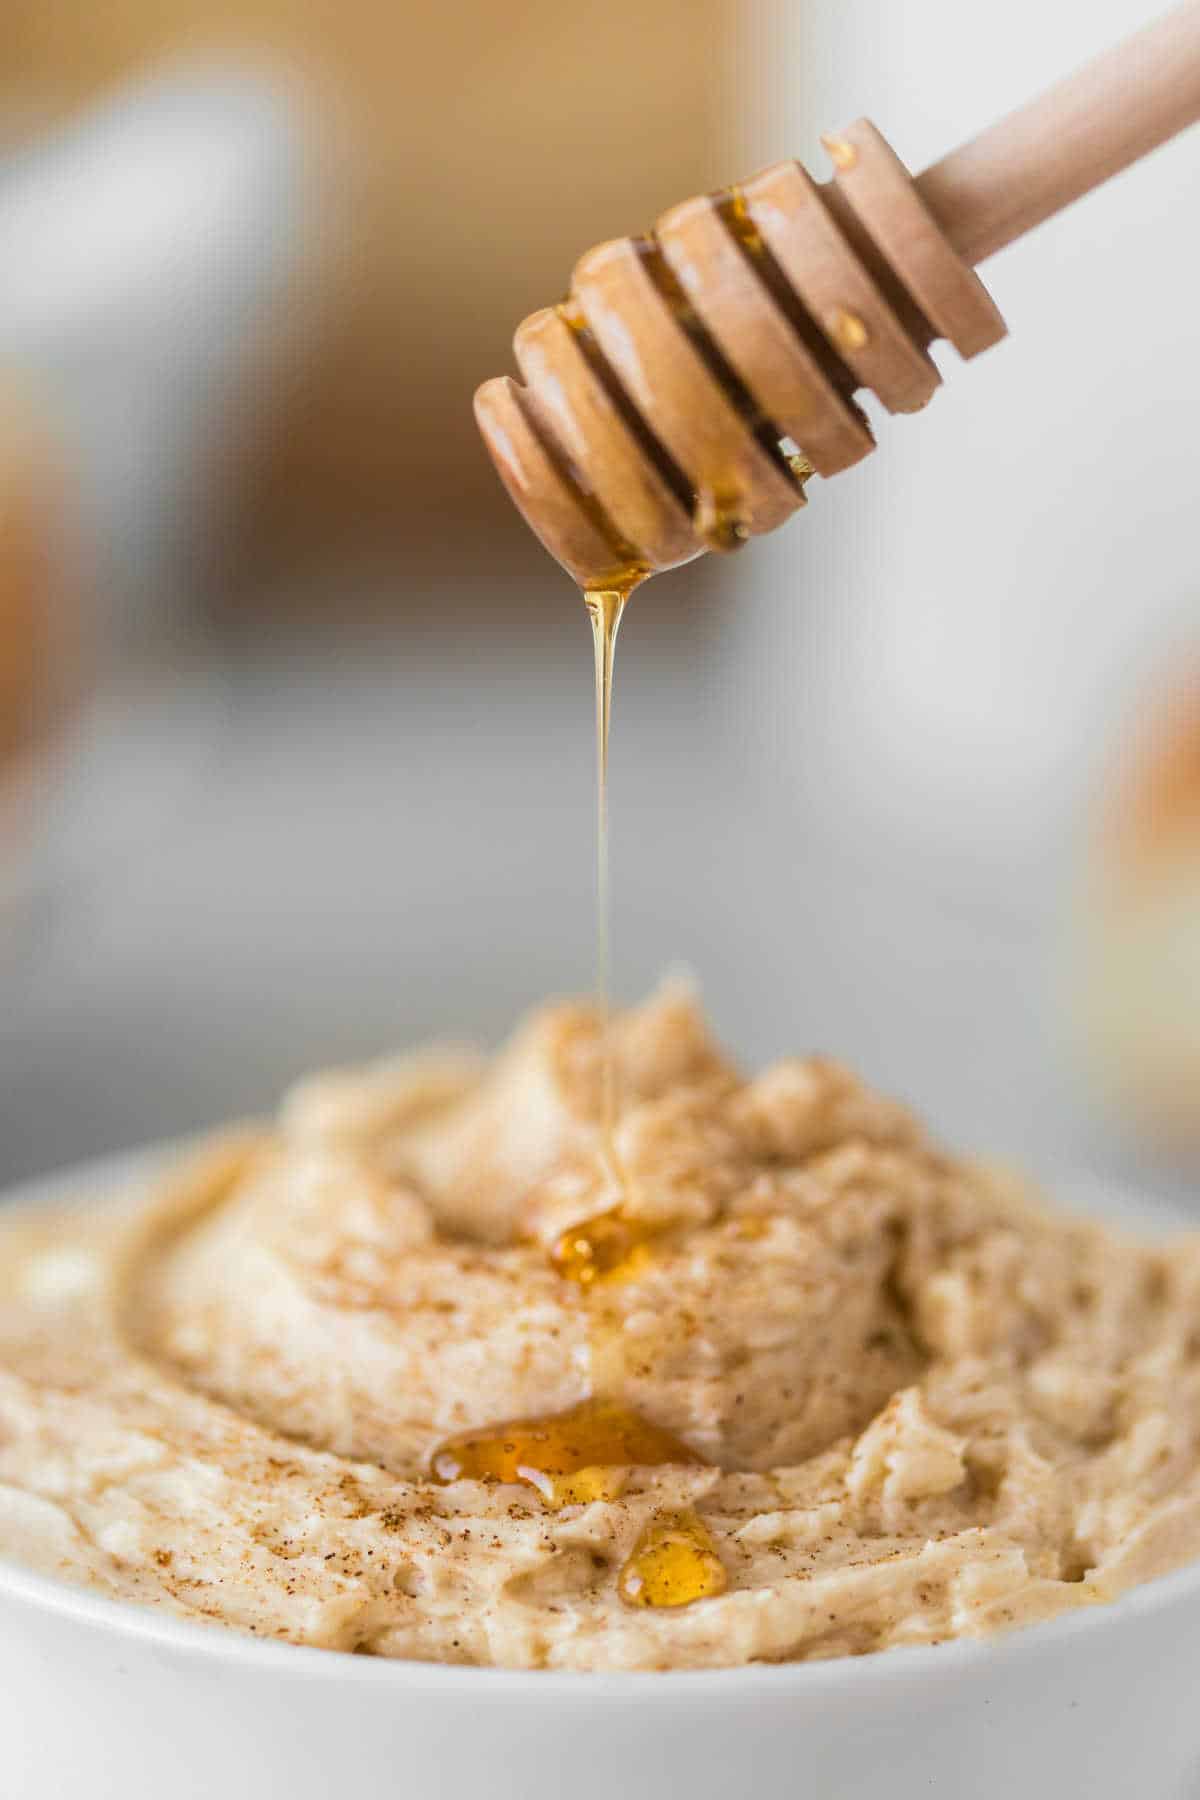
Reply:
x=605 y=609
x=611 y=1243
x=580 y=1456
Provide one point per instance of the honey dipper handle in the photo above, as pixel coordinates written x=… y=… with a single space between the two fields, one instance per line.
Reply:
x=1089 y=126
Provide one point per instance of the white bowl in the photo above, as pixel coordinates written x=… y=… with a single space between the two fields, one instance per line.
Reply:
x=100 y=1701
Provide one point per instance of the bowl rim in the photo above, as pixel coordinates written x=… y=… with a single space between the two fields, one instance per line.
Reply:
x=960 y=1657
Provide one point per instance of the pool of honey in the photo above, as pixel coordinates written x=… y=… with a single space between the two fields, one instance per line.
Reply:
x=570 y=1457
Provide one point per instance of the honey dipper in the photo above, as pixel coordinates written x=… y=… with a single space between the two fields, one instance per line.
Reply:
x=682 y=395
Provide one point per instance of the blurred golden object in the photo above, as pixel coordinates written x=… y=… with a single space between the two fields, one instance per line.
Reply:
x=469 y=141
x=1157 y=813
x=1142 y=930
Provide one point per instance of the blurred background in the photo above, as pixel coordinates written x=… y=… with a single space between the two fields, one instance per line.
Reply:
x=295 y=718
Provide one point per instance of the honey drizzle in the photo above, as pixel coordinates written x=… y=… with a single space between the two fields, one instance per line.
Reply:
x=609 y=1246
x=570 y=1458
x=605 y=609
x=576 y=1457
x=581 y=1455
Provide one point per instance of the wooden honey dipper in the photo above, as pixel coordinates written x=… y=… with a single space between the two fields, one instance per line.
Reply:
x=682 y=395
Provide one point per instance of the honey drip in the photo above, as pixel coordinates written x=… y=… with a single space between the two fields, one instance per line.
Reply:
x=609 y=1246
x=847 y=330
x=571 y=1458
x=840 y=151
x=719 y=523
x=673 y=1563
x=605 y=608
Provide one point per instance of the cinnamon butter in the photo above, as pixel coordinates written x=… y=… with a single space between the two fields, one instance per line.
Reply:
x=339 y=1382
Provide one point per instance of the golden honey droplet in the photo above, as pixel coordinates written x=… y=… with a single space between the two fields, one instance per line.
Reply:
x=840 y=150
x=571 y=1457
x=608 y=1246
x=734 y=210
x=718 y=523
x=674 y=1562
x=797 y=462
x=846 y=329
